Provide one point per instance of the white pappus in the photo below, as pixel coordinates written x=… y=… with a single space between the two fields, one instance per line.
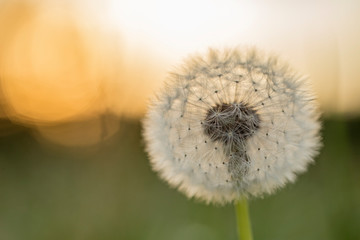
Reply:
x=232 y=124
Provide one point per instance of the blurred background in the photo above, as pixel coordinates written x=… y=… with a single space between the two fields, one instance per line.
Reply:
x=75 y=77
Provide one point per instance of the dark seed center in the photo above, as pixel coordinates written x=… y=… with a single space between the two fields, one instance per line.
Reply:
x=231 y=123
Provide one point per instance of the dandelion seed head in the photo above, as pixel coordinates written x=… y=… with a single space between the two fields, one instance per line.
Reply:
x=232 y=124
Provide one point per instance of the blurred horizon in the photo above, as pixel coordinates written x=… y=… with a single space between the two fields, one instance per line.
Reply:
x=63 y=63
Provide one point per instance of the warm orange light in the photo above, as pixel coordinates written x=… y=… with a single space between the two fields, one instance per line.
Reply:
x=80 y=133
x=62 y=72
x=62 y=62
x=58 y=64
x=48 y=69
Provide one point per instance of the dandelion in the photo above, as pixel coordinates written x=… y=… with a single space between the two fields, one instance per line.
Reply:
x=232 y=125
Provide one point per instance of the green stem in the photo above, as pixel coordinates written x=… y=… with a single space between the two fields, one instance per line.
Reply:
x=243 y=220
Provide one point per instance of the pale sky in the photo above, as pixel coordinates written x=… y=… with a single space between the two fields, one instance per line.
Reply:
x=319 y=38
x=68 y=59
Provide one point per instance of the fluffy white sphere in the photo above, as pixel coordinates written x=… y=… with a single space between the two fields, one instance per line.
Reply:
x=232 y=124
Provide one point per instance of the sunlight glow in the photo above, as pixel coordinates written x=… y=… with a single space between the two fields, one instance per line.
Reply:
x=178 y=27
x=65 y=61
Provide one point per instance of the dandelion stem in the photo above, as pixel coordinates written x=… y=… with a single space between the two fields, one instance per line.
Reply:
x=243 y=220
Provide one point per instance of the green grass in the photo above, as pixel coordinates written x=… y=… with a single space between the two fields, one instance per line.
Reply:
x=49 y=192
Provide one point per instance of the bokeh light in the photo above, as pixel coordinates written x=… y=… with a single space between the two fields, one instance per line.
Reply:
x=59 y=65
x=73 y=61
